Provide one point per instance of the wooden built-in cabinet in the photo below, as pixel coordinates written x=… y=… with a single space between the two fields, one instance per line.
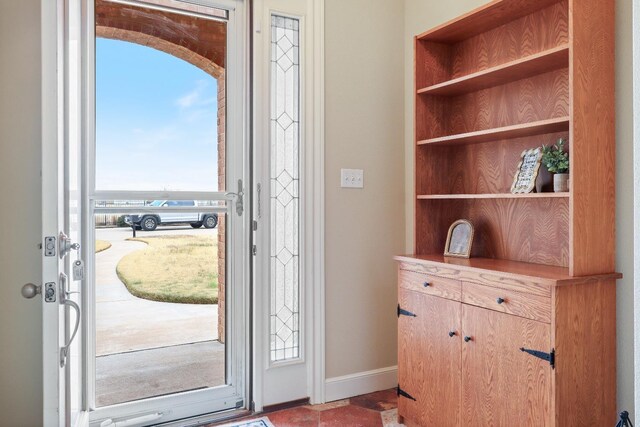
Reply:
x=510 y=76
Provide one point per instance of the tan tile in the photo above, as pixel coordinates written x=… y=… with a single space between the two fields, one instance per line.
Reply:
x=330 y=405
x=390 y=418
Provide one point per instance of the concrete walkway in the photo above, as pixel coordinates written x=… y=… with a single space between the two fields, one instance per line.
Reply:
x=126 y=323
x=137 y=375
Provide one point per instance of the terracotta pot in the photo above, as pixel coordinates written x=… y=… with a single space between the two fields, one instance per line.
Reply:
x=561 y=182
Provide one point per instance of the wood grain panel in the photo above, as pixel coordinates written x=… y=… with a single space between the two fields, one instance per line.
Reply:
x=528 y=230
x=541 y=97
x=502 y=386
x=493 y=196
x=511 y=275
x=501 y=274
x=520 y=304
x=432 y=112
x=585 y=342
x=484 y=18
x=429 y=360
x=478 y=168
x=593 y=166
x=430 y=284
x=432 y=63
x=538 y=63
x=522 y=130
x=533 y=33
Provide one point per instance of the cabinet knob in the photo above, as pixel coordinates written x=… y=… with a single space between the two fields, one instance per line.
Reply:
x=426 y=284
x=452 y=334
x=468 y=338
x=500 y=300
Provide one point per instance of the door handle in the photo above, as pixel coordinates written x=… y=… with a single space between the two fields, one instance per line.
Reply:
x=30 y=290
x=64 y=295
x=64 y=351
x=239 y=198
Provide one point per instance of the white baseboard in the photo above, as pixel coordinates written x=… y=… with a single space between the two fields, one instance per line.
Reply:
x=360 y=383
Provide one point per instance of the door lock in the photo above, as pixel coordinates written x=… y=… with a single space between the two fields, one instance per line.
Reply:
x=65 y=245
x=30 y=291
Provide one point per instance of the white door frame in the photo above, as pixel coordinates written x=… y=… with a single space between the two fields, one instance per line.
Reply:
x=53 y=24
x=274 y=382
x=52 y=132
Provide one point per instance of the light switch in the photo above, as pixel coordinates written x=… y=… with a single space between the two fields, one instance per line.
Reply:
x=352 y=178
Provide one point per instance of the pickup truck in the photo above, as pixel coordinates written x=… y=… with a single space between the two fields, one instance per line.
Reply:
x=150 y=221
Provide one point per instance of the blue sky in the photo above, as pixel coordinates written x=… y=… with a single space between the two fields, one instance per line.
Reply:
x=156 y=121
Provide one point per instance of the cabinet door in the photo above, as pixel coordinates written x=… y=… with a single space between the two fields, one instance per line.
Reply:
x=503 y=386
x=429 y=360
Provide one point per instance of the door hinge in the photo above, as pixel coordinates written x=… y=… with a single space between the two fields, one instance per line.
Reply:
x=403 y=393
x=255 y=225
x=550 y=357
x=254 y=250
x=403 y=312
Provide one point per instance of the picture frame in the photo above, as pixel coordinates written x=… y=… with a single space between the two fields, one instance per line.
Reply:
x=459 y=239
x=527 y=171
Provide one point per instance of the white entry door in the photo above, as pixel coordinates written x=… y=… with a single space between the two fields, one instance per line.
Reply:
x=72 y=200
x=61 y=209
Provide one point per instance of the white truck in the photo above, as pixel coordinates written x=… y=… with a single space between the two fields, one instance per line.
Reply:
x=150 y=221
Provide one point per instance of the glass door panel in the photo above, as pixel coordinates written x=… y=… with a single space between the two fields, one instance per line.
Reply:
x=159 y=326
x=167 y=266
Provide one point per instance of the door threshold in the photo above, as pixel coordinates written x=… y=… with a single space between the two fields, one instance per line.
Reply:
x=218 y=417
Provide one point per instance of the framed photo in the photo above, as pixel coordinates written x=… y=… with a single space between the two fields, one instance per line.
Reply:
x=459 y=239
x=527 y=171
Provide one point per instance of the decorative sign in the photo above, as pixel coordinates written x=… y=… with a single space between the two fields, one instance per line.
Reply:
x=459 y=239
x=527 y=172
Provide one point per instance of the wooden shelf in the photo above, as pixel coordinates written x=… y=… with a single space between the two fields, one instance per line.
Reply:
x=539 y=63
x=494 y=196
x=560 y=124
x=482 y=19
x=552 y=275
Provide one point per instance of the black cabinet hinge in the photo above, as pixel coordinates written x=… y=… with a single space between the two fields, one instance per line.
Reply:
x=550 y=357
x=403 y=312
x=403 y=393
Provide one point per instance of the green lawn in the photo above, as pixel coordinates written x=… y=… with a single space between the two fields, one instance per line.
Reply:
x=173 y=269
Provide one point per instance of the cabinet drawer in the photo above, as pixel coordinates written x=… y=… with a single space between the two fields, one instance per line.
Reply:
x=428 y=284
x=530 y=306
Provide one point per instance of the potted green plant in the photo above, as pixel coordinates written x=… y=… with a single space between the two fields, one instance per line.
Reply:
x=556 y=160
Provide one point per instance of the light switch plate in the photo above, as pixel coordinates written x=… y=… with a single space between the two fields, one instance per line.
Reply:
x=352 y=178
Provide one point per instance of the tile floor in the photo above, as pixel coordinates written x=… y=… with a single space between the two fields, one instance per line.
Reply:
x=377 y=409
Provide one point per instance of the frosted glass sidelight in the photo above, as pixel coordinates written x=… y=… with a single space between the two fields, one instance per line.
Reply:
x=284 y=189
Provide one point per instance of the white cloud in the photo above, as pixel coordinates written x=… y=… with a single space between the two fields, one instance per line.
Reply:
x=195 y=97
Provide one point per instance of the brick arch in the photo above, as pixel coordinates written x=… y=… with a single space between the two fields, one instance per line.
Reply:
x=182 y=52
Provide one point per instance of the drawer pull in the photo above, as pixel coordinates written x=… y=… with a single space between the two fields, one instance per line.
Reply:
x=426 y=284
x=500 y=300
x=452 y=334
x=468 y=338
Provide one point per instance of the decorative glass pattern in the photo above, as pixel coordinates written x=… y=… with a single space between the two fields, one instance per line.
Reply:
x=284 y=184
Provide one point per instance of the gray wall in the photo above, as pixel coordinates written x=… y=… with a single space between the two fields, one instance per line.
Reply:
x=20 y=319
x=421 y=15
